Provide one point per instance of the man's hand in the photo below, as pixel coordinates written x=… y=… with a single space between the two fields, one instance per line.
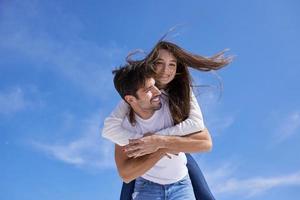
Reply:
x=146 y=145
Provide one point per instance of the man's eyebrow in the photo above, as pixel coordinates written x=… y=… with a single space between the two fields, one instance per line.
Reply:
x=147 y=88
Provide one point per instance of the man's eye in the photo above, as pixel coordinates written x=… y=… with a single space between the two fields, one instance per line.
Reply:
x=148 y=90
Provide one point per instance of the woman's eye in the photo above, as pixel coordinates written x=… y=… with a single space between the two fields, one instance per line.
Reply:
x=159 y=64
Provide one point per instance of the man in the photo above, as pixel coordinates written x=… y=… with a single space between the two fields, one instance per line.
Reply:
x=156 y=161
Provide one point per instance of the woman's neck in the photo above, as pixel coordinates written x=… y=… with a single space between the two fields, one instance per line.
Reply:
x=159 y=86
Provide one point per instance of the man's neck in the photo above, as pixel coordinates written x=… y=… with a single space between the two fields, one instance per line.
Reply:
x=144 y=114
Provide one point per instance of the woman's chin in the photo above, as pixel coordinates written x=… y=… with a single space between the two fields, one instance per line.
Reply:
x=163 y=81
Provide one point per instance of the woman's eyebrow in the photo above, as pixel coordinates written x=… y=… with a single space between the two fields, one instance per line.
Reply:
x=160 y=59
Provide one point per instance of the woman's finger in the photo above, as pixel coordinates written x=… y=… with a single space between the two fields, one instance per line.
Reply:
x=131 y=147
x=133 y=153
x=134 y=141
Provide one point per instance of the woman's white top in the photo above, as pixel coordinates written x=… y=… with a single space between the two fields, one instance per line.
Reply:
x=114 y=131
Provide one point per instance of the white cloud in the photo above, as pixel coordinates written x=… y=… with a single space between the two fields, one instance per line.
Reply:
x=224 y=182
x=218 y=124
x=283 y=125
x=288 y=126
x=12 y=101
x=15 y=99
x=257 y=185
x=88 y=151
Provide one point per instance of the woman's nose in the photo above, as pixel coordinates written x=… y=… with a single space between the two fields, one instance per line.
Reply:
x=164 y=68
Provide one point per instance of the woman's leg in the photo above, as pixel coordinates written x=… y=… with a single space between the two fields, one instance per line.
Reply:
x=127 y=190
x=200 y=186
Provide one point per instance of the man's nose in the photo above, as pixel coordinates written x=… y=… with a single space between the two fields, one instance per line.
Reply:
x=156 y=91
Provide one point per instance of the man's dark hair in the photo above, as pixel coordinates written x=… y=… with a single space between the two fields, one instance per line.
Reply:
x=130 y=77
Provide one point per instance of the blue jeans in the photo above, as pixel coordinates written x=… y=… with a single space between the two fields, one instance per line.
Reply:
x=201 y=189
x=147 y=190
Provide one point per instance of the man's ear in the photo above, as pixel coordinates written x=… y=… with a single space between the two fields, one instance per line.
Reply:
x=129 y=99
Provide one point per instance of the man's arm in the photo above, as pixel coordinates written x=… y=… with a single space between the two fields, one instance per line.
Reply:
x=195 y=142
x=131 y=168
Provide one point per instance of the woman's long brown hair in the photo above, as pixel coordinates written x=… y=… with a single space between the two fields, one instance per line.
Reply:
x=179 y=89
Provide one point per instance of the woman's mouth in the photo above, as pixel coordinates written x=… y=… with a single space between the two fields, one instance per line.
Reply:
x=165 y=77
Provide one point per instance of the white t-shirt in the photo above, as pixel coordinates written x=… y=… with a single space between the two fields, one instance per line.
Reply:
x=114 y=131
x=166 y=170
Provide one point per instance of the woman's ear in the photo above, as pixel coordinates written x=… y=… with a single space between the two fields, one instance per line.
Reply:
x=129 y=99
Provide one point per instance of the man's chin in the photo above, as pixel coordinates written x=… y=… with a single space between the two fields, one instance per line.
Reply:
x=158 y=106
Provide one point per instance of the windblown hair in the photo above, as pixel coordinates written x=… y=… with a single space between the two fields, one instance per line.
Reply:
x=179 y=89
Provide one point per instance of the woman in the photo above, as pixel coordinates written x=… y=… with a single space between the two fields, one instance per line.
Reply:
x=170 y=65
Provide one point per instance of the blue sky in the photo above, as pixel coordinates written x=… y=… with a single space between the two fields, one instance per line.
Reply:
x=56 y=89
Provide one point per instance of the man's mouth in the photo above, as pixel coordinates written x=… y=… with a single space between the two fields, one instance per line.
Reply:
x=156 y=99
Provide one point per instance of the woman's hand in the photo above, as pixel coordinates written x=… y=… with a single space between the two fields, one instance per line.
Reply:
x=148 y=144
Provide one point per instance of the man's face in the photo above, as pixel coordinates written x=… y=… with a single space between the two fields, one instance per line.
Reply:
x=148 y=96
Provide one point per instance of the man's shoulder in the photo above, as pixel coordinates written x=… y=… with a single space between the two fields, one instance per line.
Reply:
x=129 y=126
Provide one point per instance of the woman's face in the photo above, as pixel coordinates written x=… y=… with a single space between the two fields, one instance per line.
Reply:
x=165 y=67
